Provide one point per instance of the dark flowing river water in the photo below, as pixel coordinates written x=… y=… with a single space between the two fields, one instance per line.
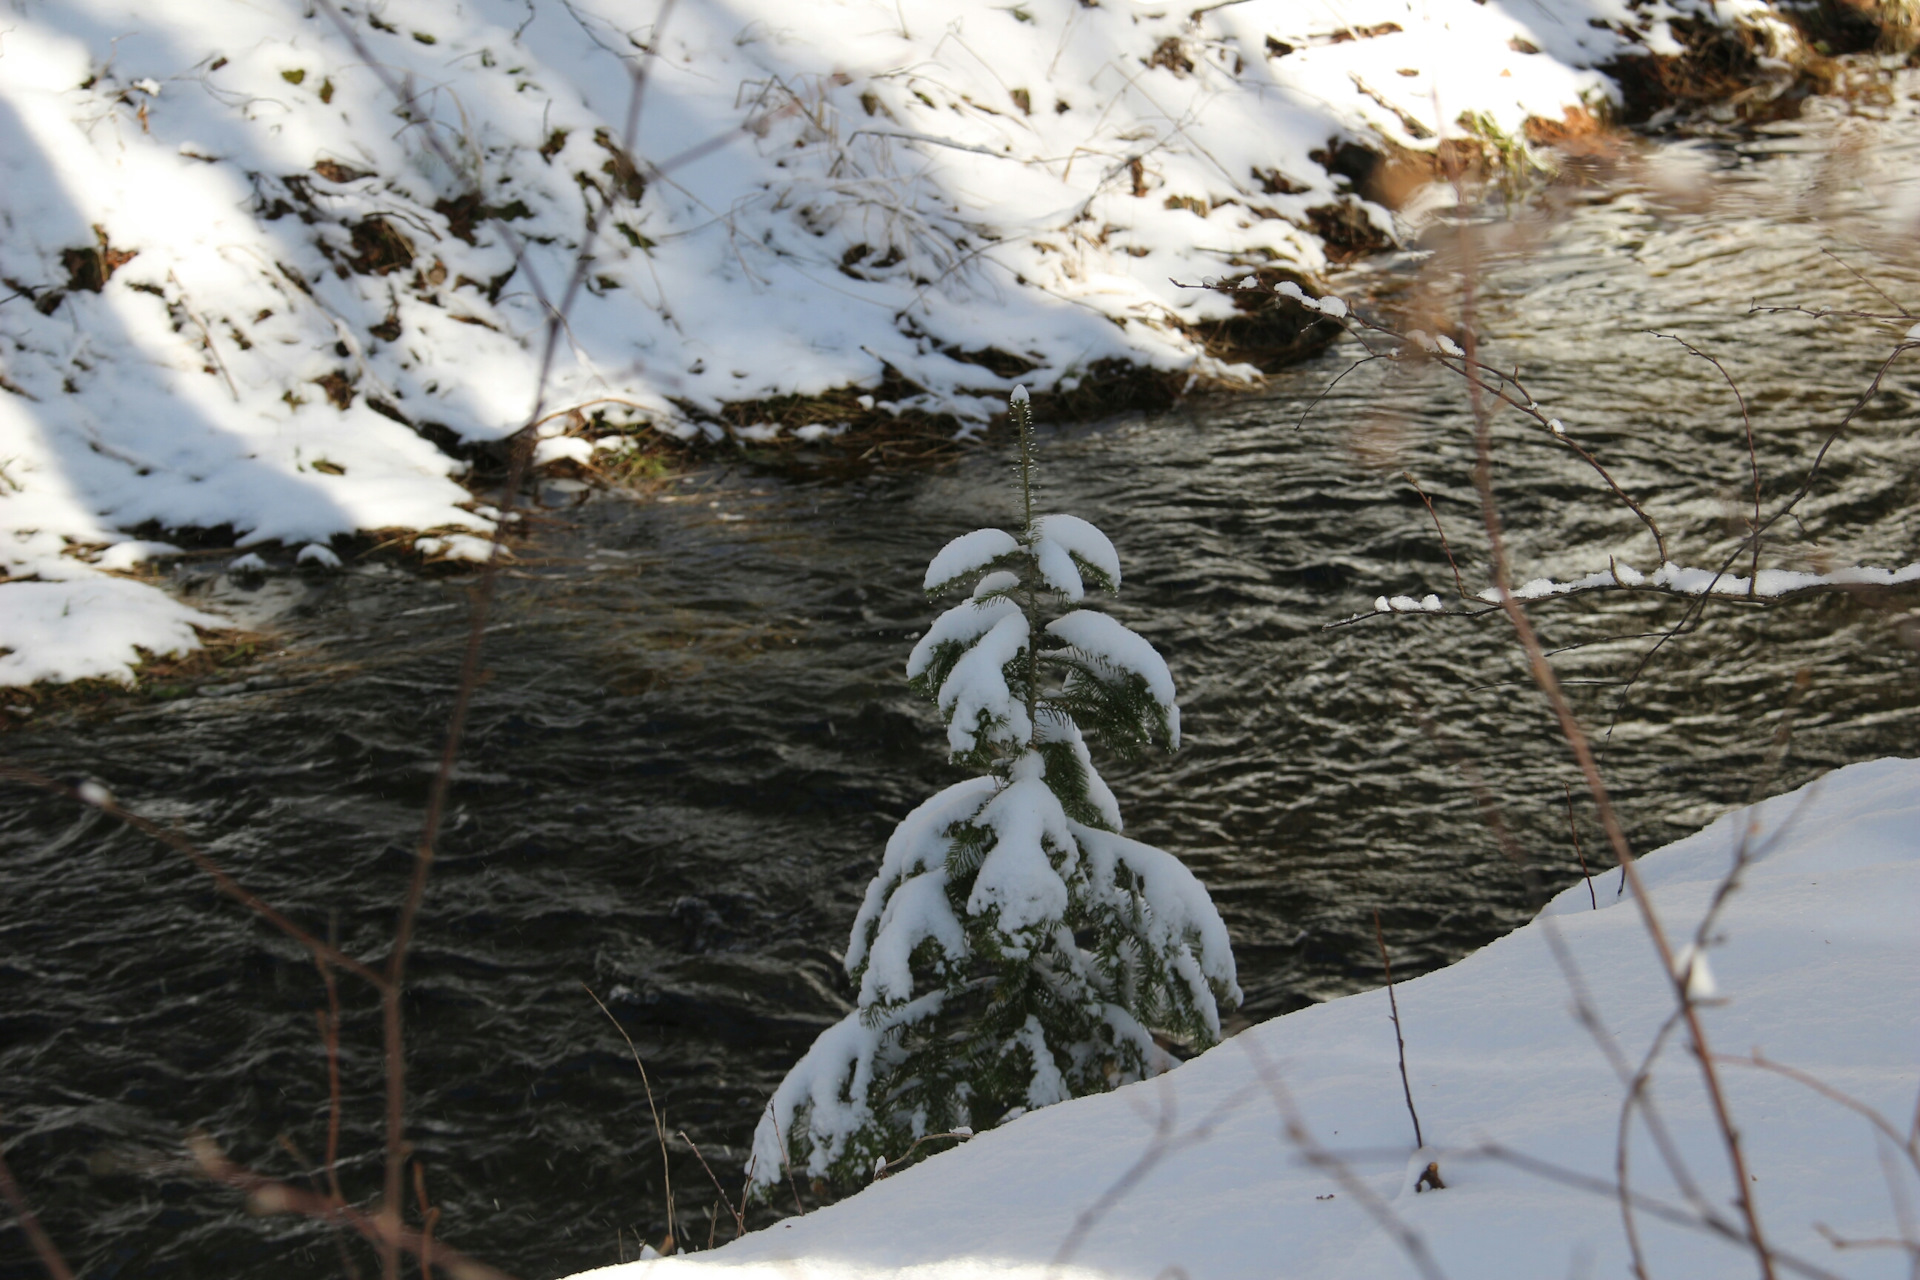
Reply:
x=694 y=735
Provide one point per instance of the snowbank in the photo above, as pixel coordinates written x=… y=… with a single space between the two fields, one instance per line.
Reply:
x=241 y=291
x=1817 y=967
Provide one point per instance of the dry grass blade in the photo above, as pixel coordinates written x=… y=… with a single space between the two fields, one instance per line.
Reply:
x=739 y=1218
x=659 y=1131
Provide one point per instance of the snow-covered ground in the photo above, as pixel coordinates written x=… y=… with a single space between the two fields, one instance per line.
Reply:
x=243 y=293
x=1816 y=965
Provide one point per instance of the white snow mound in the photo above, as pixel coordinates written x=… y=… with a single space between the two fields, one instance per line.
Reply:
x=241 y=292
x=1815 y=965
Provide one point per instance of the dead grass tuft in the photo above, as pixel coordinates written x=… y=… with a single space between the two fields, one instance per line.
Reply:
x=157 y=678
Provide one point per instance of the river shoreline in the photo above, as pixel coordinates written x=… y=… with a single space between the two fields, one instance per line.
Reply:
x=221 y=340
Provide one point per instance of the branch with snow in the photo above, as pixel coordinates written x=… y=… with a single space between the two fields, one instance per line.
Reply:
x=1670 y=579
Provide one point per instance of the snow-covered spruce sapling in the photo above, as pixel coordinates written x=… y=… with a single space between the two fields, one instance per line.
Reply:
x=1014 y=949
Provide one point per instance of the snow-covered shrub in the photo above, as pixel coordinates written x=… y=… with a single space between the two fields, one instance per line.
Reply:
x=1015 y=949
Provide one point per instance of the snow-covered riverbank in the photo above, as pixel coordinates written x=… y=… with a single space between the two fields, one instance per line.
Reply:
x=1816 y=968
x=243 y=295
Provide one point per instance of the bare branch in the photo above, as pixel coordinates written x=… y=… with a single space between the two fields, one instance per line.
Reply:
x=1399 y=1040
x=1452 y=564
x=266 y=1195
x=321 y=951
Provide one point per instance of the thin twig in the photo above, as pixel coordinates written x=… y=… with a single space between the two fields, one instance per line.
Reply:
x=1848 y=268
x=1328 y=389
x=786 y=1164
x=1294 y=1125
x=1785 y=510
x=330 y=1033
x=1579 y=853
x=891 y=1167
x=1753 y=456
x=1710 y=1223
x=1908 y=1145
x=1636 y=1095
x=1166 y=1142
x=429 y=1215
x=1399 y=1040
x=1839 y=1241
x=266 y=1195
x=206 y=336
x=1548 y=681
x=1585 y=1012
x=1452 y=564
x=186 y=848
